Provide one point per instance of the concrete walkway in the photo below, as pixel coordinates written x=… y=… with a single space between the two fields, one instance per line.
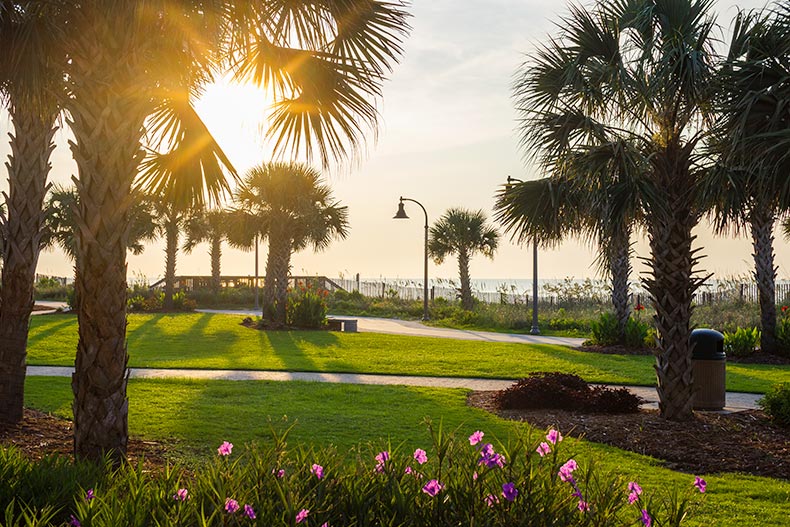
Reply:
x=418 y=329
x=735 y=401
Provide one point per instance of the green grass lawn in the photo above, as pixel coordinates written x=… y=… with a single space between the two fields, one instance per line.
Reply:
x=194 y=417
x=211 y=341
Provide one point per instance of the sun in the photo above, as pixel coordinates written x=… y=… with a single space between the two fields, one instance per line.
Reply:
x=236 y=114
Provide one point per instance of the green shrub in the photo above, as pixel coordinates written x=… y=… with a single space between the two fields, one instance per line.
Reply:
x=530 y=479
x=776 y=403
x=783 y=333
x=605 y=331
x=636 y=332
x=742 y=342
x=306 y=307
x=48 y=288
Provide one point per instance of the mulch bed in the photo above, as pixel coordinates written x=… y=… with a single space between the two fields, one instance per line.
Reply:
x=40 y=435
x=739 y=442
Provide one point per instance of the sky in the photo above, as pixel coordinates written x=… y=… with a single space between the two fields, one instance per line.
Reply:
x=447 y=138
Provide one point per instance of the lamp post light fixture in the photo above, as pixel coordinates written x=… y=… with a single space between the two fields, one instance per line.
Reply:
x=535 y=330
x=401 y=215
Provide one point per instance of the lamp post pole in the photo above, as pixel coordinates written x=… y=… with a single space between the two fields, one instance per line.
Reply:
x=535 y=330
x=401 y=214
x=257 y=303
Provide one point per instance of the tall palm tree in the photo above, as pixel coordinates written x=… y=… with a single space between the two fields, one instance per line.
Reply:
x=28 y=88
x=640 y=71
x=289 y=204
x=325 y=62
x=752 y=191
x=208 y=226
x=61 y=221
x=464 y=233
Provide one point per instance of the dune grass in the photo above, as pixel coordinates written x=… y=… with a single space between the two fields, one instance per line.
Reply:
x=194 y=417
x=212 y=341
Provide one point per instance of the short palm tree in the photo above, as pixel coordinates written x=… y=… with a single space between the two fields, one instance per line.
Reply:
x=641 y=72
x=463 y=233
x=31 y=76
x=288 y=204
x=603 y=210
x=325 y=62
x=751 y=191
x=208 y=226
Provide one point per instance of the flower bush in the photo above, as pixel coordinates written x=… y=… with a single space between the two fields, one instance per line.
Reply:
x=742 y=342
x=529 y=480
x=306 y=307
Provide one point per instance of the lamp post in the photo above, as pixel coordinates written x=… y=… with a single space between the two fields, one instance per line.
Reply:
x=257 y=303
x=401 y=215
x=535 y=330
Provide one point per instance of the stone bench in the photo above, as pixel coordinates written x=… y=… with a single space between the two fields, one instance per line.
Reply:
x=347 y=325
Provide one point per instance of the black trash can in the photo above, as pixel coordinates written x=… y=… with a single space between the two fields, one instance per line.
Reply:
x=709 y=364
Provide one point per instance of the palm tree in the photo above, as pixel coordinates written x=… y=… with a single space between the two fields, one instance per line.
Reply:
x=289 y=204
x=325 y=61
x=28 y=89
x=464 y=233
x=208 y=226
x=61 y=221
x=603 y=210
x=640 y=72
x=752 y=191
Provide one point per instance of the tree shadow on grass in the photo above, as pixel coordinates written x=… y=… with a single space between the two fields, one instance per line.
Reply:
x=43 y=331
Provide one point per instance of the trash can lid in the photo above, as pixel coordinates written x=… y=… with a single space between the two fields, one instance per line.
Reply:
x=708 y=344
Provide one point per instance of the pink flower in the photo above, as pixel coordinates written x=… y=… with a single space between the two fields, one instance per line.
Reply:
x=474 y=476
x=280 y=474
x=249 y=512
x=633 y=498
x=509 y=491
x=476 y=438
x=225 y=449
x=325 y=524
x=302 y=515
x=647 y=521
x=553 y=437
x=433 y=487
x=633 y=486
x=74 y=522
x=318 y=470
x=408 y=470
x=181 y=495
x=231 y=505
x=566 y=470
x=543 y=449
x=382 y=457
x=700 y=483
x=491 y=500
x=583 y=506
x=89 y=495
x=420 y=456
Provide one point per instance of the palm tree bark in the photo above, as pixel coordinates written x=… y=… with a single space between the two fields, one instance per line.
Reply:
x=215 y=252
x=275 y=290
x=463 y=274
x=761 y=221
x=28 y=167
x=107 y=111
x=672 y=284
x=171 y=252
x=619 y=251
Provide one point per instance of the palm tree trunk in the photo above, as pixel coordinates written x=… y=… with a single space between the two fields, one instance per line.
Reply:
x=278 y=265
x=463 y=274
x=215 y=252
x=761 y=221
x=671 y=283
x=619 y=252
x=171 y=252
x=107 y=111
x=28 y=167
